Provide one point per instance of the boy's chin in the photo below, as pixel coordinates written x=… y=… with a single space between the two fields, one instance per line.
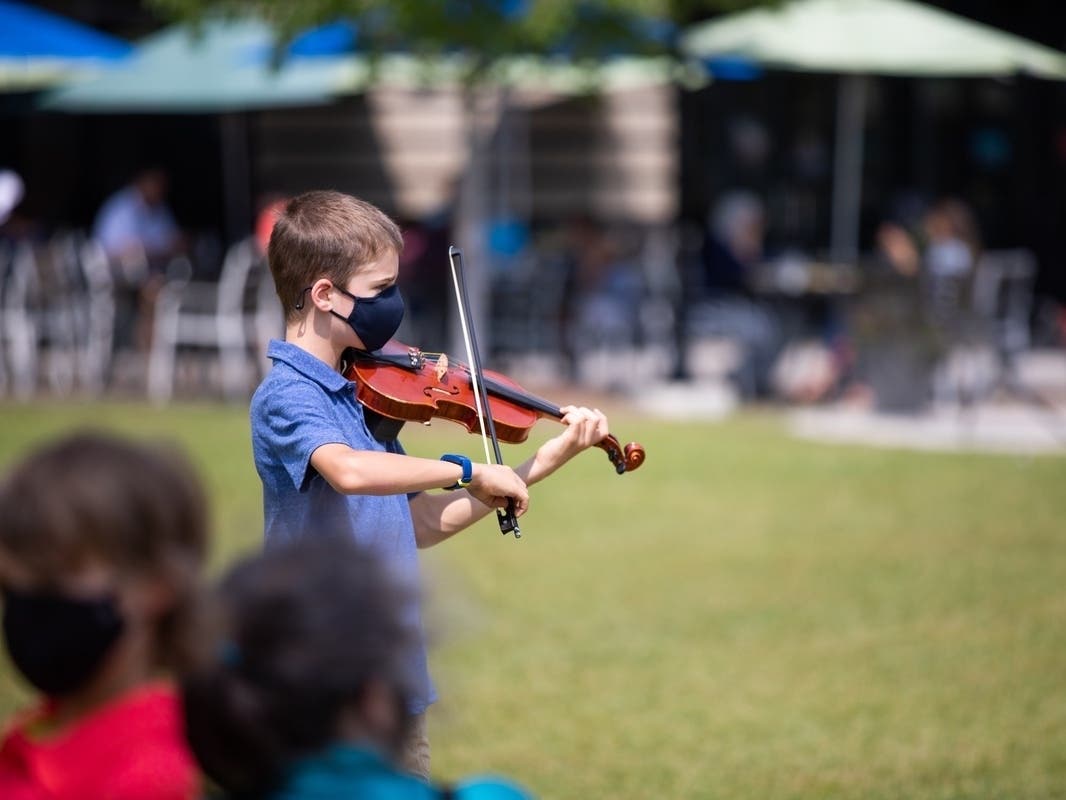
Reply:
x=349 y=338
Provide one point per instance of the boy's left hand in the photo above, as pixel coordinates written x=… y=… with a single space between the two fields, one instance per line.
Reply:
x=585 y=427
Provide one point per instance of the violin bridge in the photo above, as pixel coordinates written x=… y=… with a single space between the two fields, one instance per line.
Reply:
x=442 y=367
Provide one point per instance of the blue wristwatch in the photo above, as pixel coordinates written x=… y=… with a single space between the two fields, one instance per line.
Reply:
x=468 y=470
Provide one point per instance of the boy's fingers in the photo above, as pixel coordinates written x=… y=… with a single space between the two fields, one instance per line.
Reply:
x=602 y=427
x=575 y=414
x=588 y=425
x=521 y=504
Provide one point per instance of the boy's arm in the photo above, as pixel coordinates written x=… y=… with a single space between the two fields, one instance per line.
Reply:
x=439 y=516
x=351 y=471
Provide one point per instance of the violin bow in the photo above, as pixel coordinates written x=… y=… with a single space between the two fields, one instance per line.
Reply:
x=507 y=518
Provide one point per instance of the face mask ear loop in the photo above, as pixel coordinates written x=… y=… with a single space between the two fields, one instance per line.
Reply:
x=299 y=304
x=355 y=301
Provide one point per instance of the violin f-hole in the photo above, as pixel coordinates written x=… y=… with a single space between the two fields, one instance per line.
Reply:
x=429 y=391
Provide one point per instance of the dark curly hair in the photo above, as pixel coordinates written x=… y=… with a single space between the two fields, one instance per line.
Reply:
x=303 y=629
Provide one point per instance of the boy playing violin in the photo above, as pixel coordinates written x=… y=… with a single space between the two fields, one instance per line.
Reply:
x=334 y=260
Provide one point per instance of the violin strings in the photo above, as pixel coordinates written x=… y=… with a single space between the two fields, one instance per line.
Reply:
x=493 y=387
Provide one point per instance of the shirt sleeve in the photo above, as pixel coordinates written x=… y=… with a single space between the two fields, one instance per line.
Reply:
x=297 y=422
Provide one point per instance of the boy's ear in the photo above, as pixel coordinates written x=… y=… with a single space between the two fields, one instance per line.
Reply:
x=321 y=294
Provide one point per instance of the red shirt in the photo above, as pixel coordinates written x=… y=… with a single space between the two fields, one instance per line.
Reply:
x=131 y=749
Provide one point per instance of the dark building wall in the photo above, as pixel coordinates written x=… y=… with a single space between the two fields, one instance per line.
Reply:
x=71 y=163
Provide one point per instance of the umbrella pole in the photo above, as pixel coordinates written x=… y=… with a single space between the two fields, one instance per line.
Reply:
x=483 y=113
x=847 y=168
x=236 y=175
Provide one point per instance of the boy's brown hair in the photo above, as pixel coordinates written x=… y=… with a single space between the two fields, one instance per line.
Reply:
x=325 y=234
x=137 y=508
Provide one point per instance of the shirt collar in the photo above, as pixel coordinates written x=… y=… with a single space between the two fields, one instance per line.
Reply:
x=308 y=365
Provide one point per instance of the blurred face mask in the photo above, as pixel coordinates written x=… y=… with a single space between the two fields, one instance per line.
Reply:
x=56 y=641
x=375 y=319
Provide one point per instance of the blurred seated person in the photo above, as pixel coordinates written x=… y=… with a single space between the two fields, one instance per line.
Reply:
x=135 y=228
x=915 y=315
x=942 y=253
x=139 y=235
x=302 y=700
x=953 y=241
x=11 y=191
x=15 y=224
x=733 y=247
x=604 y=286
x=733 y=244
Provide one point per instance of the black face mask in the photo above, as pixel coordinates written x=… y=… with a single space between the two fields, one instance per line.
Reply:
x=375 y=319
x=56 y=641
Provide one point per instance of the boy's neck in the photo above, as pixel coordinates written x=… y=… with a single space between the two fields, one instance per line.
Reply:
x=304 y=335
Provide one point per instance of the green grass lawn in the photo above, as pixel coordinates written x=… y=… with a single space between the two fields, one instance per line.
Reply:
x=746 y=617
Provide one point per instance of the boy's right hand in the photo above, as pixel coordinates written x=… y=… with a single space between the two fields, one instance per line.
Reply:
x=495 y=485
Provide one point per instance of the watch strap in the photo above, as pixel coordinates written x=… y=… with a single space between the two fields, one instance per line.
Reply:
x=468 y=470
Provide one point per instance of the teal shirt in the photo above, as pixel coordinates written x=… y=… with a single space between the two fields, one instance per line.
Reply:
x=344 y=771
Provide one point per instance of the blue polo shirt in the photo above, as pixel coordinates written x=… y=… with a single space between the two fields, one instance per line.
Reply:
x=302 y=404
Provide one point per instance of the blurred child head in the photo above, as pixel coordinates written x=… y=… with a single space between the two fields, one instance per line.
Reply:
x=309 y=652
x=330 y=235
x=101 y=545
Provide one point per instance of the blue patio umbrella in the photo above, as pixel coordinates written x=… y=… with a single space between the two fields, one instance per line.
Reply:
x=38 y=48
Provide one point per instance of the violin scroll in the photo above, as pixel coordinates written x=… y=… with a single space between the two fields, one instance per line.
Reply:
x=625 y=459
x=634 y=452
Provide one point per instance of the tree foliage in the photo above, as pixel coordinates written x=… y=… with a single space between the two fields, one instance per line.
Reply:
x=483 y=29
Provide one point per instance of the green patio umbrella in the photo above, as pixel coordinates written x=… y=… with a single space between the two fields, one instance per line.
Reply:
x=226 y=65
x=866 y=37
x=222 y=65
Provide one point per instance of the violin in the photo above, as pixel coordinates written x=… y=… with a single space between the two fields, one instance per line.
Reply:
x=400 y=383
